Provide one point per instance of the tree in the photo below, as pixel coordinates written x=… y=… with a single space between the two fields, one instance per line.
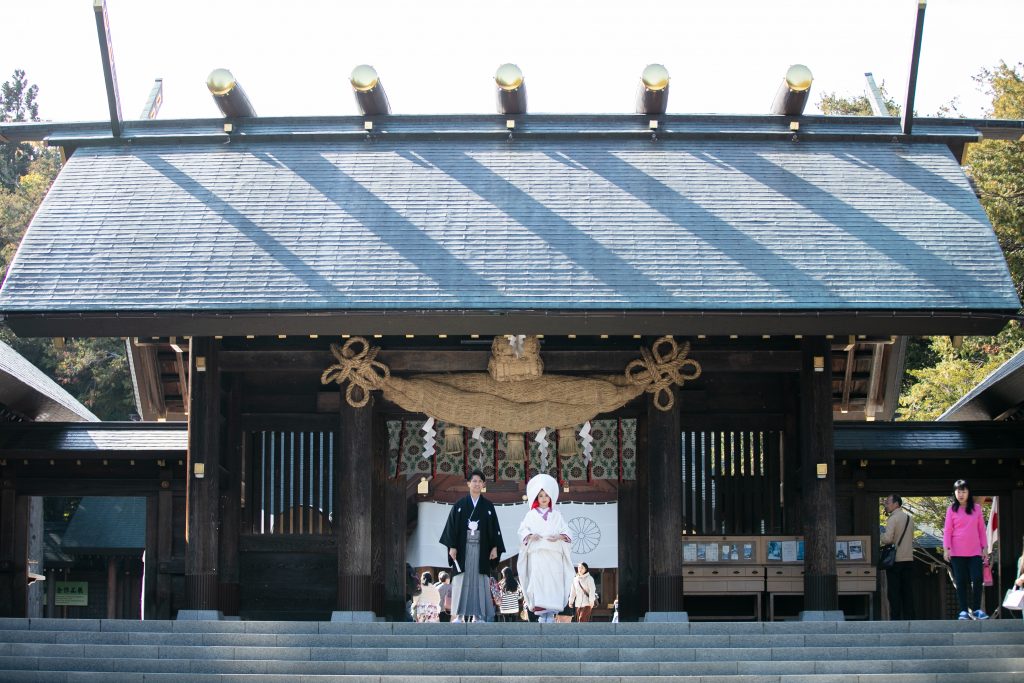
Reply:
x=17 y=103
x=935 y=388
x=18 y=205
x=95 y=371
x=832 y=104
x=997 y=167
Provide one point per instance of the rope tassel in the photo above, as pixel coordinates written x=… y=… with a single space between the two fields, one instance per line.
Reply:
x=452 y=440
x=567 y=446
x=516 y=448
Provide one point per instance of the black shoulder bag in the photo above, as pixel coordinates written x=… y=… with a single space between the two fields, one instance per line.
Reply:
x=887 y=557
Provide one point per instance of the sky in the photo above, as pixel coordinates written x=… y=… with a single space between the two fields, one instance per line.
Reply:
x=578 y=56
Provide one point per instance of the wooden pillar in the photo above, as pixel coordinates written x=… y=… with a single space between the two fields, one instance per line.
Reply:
x=389 y=529
x=665 y=477
x=151 y=558
x=353 y=507
x=634 y=564
x=51 y=593
x=13 y=551
x=202 y=531
x=819 y=493
x=34 y=559
x=111 y=588
x=231 y=505
x=164 y=545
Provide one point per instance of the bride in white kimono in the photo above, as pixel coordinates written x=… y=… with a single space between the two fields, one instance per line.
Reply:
x=545 y=564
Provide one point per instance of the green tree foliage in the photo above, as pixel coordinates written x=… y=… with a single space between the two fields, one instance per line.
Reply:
x=997 y=167
x=935 y=388
x=833 y=104
x=19 y=204
x=95 y=371
x=17 y=103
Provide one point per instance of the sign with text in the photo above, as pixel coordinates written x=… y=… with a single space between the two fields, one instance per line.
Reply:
x=72 y=593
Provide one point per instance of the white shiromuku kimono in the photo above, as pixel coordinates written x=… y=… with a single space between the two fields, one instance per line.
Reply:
x=545 y=567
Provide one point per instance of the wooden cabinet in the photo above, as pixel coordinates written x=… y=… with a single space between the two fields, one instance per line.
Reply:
x=763 y=568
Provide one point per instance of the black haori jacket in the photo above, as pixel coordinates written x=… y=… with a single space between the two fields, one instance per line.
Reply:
x=454 y=535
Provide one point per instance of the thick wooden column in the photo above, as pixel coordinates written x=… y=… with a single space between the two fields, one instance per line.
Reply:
x=13 y=550
x=231 y=504
x=151 y=559
x=164 y=544
x=665 y=477
x=202 y=531
x=634 y=563
x=353 y=507
x=111 y=588
x=390 y=511
x=819 y=494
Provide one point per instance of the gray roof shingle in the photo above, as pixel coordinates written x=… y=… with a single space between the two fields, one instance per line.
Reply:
x=576 y=224
x=102 y=523
x=27 y=389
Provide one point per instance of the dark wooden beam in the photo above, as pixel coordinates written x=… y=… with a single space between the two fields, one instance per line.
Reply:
x=634 y=561
x=844 y=405
x=202 y=533
x=466 y=322
x=819 y=490
x=665 y=506
x=411 y=361
x=353 y=503
x=231 y=506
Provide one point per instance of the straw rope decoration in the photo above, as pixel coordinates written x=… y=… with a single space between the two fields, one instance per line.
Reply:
x=359 y=368
x=656 y=371
x=513 y=405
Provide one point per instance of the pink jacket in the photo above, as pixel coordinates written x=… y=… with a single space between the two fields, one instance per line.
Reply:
x=964 y=534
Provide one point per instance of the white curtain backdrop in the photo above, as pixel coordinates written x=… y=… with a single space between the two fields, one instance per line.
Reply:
x=594 y=527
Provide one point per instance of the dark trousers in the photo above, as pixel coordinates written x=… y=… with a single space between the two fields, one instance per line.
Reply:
x=900 y=580
x=967 y=574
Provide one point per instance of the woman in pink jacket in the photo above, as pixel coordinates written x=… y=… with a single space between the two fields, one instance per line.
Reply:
x=964 y=543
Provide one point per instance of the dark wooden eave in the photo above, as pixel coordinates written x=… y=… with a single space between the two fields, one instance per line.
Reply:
x=492 y=322
x=930 y=441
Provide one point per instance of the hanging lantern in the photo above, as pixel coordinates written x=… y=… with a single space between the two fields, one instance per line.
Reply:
x=567 y=446
x=452 y=440
x=516 y=448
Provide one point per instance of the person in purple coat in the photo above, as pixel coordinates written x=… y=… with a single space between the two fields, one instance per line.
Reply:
x=964 y=543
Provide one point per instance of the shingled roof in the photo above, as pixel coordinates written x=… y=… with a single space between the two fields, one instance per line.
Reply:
x=172 y=232
x=29 y=392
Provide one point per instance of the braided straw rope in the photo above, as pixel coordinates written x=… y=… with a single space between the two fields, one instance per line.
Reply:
x=656 y=371
x=359 y=368
x=477 y=399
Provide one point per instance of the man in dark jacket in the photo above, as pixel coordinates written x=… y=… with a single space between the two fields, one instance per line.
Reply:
x=473 y=538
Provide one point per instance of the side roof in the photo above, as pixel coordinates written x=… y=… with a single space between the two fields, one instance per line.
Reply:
x=1000 y=396
x=724 y=221
x=28 y=392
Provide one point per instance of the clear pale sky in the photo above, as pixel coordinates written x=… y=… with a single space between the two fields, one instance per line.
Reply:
x=293 y=58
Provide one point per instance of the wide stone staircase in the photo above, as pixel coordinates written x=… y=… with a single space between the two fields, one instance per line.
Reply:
x=112 y=651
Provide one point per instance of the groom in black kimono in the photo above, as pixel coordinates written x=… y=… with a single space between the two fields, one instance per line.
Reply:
x=473 y=538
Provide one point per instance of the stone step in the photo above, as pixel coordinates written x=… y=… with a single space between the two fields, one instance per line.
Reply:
x=564 y=640
x=107 y=677
x=401 y=628
x=84 y=653
x=516 y=668
x=677 y=648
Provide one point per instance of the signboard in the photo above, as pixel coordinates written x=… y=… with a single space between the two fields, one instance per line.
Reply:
x=72 y=593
